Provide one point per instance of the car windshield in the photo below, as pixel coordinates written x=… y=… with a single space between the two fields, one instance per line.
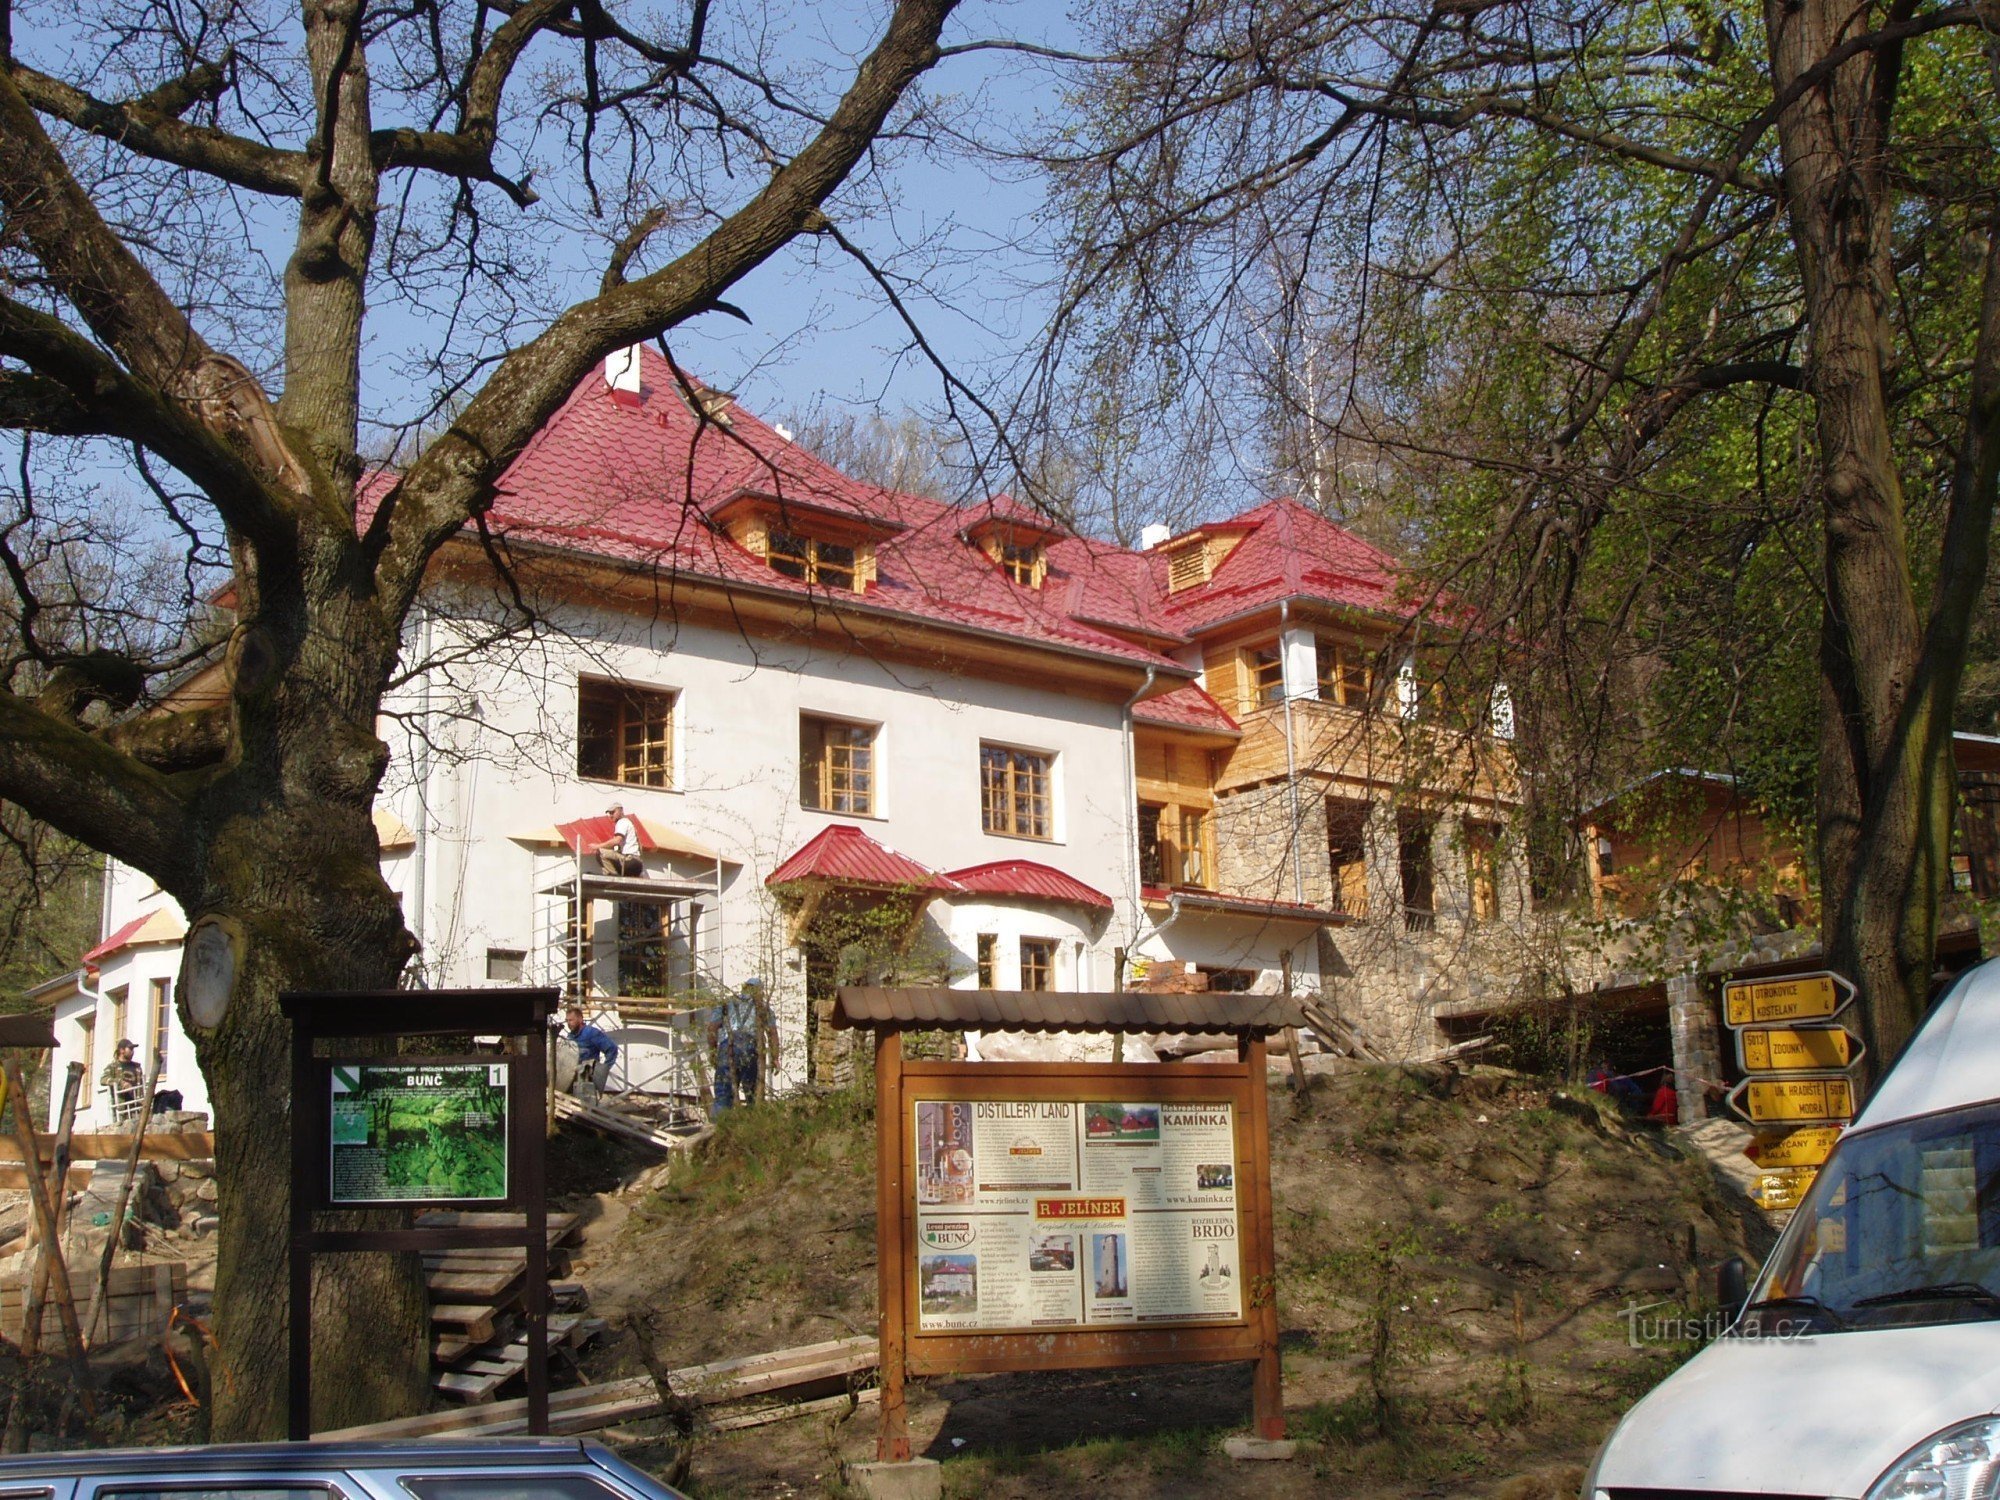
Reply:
x=1901 y=1227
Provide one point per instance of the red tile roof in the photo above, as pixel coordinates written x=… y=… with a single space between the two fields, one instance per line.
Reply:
x=632 y=483
x=1291 y=553
x=1187 y=707
x=844 y=855
x=638 y=480
x=158 y=926
x=1023 y=878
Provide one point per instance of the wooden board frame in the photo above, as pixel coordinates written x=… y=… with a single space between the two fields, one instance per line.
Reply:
x=906 y=1351
x=332 y=1021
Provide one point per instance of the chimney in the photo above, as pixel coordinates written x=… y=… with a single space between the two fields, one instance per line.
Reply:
x=621 y=374
x=782 y=431
x=1153 y=536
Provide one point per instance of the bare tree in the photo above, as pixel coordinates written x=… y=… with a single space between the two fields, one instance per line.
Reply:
x=430 y=159
x=1600 y=281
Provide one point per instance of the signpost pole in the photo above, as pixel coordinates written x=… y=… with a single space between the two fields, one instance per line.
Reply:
x=298 y=1343
x=529 y=1066
x=892 y=1250
x=1267 y=1397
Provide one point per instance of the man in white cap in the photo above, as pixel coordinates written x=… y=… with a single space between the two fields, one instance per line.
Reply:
x=619 y=854
x=733 y=1030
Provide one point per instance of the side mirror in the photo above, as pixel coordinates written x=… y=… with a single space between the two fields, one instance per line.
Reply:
x=1732 y=1284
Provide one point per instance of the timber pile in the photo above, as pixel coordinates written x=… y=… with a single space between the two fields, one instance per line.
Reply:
x=139 y=1301
x=620 y=1126
x=478 y=1342
x=1339 y=1034
x=591 y=1407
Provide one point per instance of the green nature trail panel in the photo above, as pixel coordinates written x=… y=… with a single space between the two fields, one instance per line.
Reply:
x=411 y=1132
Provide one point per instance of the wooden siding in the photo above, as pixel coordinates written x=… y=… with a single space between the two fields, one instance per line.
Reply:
x=1348 y=746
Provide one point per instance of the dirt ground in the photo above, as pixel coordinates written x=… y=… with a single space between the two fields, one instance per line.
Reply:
x=1454 y=1250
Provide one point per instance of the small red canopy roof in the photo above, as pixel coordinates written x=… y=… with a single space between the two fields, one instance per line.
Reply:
x=154 y=927
x=1026 y=879
x=844 y=855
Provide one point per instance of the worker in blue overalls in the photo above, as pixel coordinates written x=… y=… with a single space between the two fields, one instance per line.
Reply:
x=734 y=1028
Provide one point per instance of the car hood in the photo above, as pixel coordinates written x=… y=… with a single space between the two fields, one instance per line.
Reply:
x=1821 y=1415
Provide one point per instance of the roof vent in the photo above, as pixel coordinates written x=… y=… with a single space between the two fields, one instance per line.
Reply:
x=621 y=374
x=1152 y=536
x=782 y=431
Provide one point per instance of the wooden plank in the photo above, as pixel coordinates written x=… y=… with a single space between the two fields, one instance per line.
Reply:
x=172 y=1145
x=590 y=1407
x=472 y=1389
x=785 y=1411
x=15 y=1178
x=466 y=1286
x=476 y=1319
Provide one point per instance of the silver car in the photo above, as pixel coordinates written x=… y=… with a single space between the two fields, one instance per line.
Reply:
x=466 y=1469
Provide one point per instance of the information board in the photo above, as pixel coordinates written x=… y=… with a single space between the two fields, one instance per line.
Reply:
x=1069 y=1214
x=417 y=1132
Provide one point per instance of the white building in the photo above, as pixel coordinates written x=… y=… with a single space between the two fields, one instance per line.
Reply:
x=859 y=729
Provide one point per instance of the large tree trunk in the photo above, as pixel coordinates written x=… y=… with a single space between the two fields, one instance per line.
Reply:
x=1884 y=799
x=1890 y=675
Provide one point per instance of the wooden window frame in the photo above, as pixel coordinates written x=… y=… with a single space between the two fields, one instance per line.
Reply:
x=121 y=1000
x=1482 y=871
x=1191 y=849
x=1264 y=673
x=821 y=772
x=1416 y=864
x=648 y=759
x=1154 y=861
x=1347 y=849
x=1038 y=964
x=986 y=960
x=1017 y=792
x=160 y=1004
x=1024 y=563
x=1344 y=671
x=800 y=555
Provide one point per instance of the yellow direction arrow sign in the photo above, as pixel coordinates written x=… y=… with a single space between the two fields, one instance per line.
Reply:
x=1795 y=1049
x=1807 y=1146
x=1797 y=997
x=1776 y=1101
x=1782 y=1189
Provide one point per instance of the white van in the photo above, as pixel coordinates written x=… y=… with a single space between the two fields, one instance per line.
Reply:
x=1865 y=1364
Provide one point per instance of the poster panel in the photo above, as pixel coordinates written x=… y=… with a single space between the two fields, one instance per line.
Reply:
x=416 y=1132
x=1066 y=1214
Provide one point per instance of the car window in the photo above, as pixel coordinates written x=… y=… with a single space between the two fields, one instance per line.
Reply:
x=248 y=1489
x=542 y=1486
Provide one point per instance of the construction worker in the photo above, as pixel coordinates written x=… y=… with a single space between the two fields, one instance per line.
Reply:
x=595 y=1050
x=124 y=1080
x=734 y=1028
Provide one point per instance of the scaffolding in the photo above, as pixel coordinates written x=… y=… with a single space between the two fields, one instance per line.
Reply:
x=641 y=954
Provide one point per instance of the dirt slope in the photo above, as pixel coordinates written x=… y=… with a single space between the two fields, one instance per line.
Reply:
x=1454 y=1250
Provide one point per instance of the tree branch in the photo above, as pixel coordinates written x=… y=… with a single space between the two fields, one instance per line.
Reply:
x=87 y=789
x=456 y=474
x=149 y=126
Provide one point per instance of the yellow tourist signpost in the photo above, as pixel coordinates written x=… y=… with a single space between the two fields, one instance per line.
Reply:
x=1798 y=1087
x=1796 y=1049
x=1804 y=1146
x=1797 y=997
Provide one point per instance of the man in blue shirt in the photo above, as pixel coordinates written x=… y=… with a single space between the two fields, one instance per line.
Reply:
x=595 y=1051
x=733 y=1029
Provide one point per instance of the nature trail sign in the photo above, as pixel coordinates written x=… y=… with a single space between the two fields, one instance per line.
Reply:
x=1071 y=1215
x=1796 y=1049
x=1799 y=1066
x=1797 y=997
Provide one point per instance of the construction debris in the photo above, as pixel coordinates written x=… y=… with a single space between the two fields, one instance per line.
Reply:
x=588 y=1408
x=478 y=1305
x=622 y=1126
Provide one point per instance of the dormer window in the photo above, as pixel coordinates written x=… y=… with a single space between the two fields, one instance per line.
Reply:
x=1023 y=563
x=798 y=538
x=1193 y=557
x=810 y=560
x=1015 y=540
